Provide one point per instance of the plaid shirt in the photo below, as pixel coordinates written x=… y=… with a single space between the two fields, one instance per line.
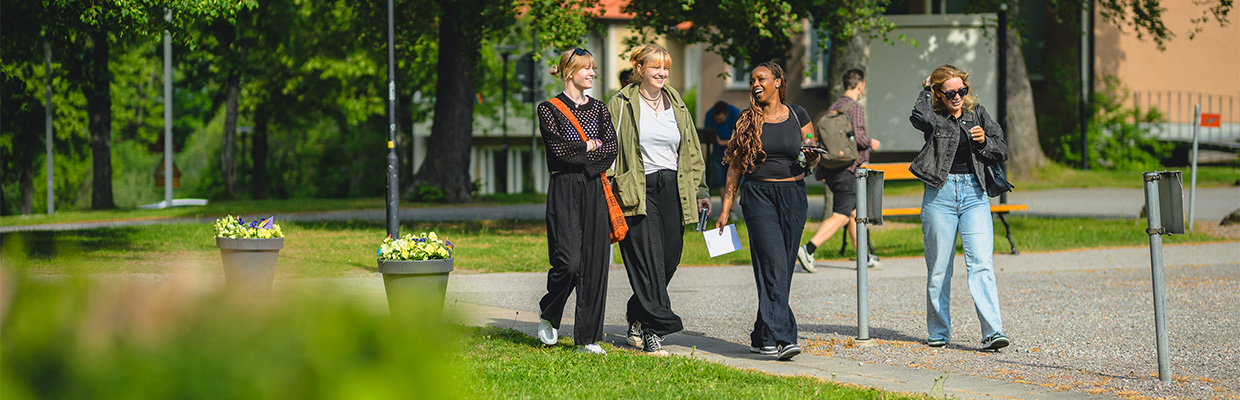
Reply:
x=856 y=114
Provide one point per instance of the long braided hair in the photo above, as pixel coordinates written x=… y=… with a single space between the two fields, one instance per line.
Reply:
x=746 y=141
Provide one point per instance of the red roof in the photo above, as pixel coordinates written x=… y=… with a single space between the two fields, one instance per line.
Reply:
x=613 y=9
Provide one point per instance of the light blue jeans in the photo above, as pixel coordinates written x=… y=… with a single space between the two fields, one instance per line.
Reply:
x=961 y=206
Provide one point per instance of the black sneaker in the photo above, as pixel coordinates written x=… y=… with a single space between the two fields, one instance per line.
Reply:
x=936 y=342
x=634 y=336
x=652 y=344
x=787 y=351
x=766 y=350
x=995 y=342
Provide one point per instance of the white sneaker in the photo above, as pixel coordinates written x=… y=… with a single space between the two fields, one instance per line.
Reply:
x=874 y=263
x=806 y=259
x=592 y=348
x=547 y=333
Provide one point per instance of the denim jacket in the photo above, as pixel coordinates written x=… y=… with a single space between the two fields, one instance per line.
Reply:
x=943 y=134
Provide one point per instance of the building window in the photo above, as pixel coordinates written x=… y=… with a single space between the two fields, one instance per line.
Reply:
x=738 y=78
x=817 y=59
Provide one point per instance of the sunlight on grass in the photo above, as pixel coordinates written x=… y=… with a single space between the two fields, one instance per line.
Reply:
x=339 y=248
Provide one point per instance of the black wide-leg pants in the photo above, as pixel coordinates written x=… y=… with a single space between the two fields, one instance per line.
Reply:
x=578 y=242
x=775 y=216
x=651 y=253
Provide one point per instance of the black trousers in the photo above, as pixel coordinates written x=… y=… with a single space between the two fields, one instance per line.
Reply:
x=775 y=215
x=651 y=253
x=578 y=242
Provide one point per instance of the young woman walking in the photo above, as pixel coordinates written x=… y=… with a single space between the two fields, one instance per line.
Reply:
x=766 y=150
x=578 y=230
x=660 y=188
x=960 y=138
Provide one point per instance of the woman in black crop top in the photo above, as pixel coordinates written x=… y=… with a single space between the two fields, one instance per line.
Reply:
x=766 y=148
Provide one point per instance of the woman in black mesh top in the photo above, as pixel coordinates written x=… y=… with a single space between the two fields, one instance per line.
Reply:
x=578 y=230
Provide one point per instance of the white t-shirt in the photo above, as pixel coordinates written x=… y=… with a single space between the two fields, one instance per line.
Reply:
x=660 y=139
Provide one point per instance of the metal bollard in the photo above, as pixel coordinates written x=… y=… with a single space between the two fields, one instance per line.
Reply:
x=863 y=258
x=1192 y=188
x=1156 y=230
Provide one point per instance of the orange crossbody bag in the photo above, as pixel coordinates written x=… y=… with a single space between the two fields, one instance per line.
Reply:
x=619 y=228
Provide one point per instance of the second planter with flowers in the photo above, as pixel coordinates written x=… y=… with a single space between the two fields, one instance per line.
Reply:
x=249 y=253
x=415 y=272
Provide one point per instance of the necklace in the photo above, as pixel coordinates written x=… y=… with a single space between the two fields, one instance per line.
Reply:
x=777 y=118
x=655 y=104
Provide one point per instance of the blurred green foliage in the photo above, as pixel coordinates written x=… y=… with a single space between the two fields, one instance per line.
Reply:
x=174 y=340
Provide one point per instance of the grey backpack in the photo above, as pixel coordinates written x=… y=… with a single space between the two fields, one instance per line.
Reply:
x=835 y=133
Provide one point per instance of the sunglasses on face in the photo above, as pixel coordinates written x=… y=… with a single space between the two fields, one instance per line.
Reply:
x=952 y=94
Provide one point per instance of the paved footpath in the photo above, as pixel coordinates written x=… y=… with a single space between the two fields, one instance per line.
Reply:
x=1081 y=322
x=1212 y=205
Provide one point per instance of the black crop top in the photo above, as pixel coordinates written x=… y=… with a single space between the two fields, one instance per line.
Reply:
x=782 y=143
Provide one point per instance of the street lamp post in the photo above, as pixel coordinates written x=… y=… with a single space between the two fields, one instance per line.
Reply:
x=393 y=201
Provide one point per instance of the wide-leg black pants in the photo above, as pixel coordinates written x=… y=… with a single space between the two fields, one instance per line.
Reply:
x=651 y=253
x=775 y=216
x=578 y=242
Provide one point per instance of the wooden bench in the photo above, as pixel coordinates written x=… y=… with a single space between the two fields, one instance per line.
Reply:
x=899 y=171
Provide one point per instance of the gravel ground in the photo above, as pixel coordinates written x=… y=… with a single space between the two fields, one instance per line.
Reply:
x=1085 y=326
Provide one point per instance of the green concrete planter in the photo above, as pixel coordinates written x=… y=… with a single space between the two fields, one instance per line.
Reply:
x=249 y=264
x=414 y=284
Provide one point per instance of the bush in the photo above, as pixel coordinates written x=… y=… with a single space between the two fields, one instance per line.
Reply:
x=173 y=341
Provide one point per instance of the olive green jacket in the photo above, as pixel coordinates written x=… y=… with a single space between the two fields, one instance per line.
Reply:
x=629 y=172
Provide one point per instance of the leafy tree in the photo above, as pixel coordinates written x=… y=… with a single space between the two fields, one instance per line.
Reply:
x=463 y=28
x=84 y=32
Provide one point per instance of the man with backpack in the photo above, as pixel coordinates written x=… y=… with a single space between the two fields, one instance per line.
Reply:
x=841 y=131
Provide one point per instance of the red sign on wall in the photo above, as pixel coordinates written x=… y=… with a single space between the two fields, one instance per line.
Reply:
x=1212 y=120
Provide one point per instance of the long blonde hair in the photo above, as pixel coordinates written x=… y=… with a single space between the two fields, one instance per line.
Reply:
x=944 y=73
x=648 y=55
x=571 y=61
x=746 y=141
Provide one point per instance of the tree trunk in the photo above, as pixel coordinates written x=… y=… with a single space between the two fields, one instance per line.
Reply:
x=258 y=153
x=855 y=53
x=27 y=186
x=99 y=107
x=447 y=160
x=1025 y=154
x=404 y=138
x=228 y=151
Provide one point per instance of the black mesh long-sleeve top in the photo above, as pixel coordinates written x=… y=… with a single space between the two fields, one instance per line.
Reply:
x=566 y=152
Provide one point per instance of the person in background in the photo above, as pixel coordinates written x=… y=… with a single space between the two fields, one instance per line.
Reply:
x=767 y=149
x=722 y=118
x=840 y=181
x=578 y=229
x=959 y=135
x=658 y=175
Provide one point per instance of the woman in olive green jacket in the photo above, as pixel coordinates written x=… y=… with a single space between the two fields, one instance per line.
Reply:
x=658 y=182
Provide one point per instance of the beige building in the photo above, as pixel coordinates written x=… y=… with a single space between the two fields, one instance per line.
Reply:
x=1205 y=69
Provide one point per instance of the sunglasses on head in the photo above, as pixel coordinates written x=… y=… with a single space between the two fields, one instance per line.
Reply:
x=578 y=52
x=952 y=94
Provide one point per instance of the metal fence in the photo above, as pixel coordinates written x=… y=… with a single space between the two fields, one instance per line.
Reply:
x=1176 y=107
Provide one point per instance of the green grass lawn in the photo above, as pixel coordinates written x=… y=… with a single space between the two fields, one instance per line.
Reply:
x=510 y=364
x=335 y=249
x=246 y=207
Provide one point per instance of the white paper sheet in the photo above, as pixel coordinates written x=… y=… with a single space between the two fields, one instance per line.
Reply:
x=717 y=244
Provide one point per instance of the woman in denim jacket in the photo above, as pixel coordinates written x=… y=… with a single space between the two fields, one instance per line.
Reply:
x=960 y=137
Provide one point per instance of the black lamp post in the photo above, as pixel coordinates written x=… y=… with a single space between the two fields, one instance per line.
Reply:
x=393 y=201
